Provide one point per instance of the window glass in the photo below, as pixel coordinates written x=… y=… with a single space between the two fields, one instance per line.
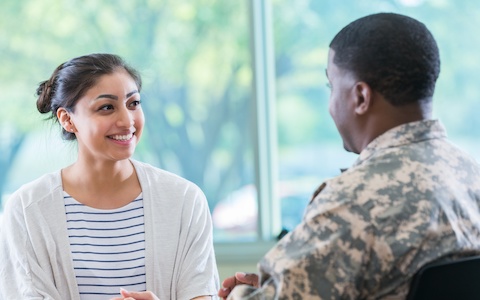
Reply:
x=310 y=150
x=195 y=62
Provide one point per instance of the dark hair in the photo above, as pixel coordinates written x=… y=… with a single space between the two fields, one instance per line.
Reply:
x=396 y=55
x=72 y=79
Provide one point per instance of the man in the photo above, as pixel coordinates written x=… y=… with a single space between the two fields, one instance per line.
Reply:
x=409 y=199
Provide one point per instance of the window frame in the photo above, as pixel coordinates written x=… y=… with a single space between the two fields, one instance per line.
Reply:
x=265 y=141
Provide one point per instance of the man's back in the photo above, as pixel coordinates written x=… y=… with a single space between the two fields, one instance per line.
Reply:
x=411 y=198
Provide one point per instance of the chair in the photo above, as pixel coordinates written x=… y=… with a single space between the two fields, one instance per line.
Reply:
x=452 y=280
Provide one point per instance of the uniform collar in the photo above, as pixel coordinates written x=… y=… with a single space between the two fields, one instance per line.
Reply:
x=404 y=134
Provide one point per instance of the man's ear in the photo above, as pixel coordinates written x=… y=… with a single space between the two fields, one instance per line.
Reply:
x=64 y=119
x=363 y=98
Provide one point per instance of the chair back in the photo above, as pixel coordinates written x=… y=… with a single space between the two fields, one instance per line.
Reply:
x=458 y=279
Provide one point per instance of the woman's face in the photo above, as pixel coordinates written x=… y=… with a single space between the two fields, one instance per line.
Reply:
x=108 y=120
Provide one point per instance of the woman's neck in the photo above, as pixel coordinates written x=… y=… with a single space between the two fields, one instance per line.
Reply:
x=101 y=185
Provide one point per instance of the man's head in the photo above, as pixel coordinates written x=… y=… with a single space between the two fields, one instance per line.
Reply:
x=383 y=69
x=395 y=55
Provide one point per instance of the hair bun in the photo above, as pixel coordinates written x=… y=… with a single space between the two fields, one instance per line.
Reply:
x=44 y=101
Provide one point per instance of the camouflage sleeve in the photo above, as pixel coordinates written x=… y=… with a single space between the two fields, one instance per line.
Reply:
x=322 y=258
x=411 y=198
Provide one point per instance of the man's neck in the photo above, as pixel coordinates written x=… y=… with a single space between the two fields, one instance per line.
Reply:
x=390 y=116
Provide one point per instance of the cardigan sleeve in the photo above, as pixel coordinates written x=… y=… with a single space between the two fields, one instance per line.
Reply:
x=21 y=276
x=198 y=275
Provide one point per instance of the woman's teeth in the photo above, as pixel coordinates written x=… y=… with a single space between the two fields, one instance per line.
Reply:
x=122 y=137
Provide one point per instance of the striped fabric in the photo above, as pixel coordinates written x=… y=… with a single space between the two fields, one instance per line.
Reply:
x=108 y=248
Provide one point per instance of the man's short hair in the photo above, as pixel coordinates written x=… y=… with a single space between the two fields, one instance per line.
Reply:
x=395 y=55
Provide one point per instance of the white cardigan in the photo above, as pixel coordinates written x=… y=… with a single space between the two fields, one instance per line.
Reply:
x=179 y=256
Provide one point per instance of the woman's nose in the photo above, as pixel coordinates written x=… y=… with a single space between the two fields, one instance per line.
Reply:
x=125 y=118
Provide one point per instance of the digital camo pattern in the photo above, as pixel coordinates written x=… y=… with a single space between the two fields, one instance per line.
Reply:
x=410 y=198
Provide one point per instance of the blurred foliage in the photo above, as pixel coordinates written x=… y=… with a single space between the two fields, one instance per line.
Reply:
x=194 y=59
x=303 y=30
x=194 y=56
x=309 y=145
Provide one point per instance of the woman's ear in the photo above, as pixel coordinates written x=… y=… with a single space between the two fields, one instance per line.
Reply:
x=64 y=119
x=363 y=98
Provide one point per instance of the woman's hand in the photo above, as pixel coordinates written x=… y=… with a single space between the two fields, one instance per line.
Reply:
x=126 y=295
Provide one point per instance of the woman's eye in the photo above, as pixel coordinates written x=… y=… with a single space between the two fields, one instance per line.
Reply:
x=106 y=107
x=135 y=103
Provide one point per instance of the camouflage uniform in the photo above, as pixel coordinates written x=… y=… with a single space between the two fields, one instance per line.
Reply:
x=410 y=198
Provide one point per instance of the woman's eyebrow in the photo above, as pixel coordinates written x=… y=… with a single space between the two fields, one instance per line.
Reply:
x=113 y=97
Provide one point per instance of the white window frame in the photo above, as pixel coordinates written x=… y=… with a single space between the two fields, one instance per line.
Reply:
x=265 y=141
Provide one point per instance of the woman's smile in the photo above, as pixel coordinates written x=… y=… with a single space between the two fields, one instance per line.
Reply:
x=122 y=138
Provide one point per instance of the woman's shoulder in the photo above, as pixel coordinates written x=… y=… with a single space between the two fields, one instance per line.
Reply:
x=37 y=189
x=173 y=188
x=152 y=174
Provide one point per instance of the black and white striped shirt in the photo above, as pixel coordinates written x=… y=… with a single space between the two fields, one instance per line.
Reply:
x=108 y=248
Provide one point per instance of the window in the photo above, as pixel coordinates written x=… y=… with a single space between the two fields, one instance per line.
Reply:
x=309 y=148
x=195 y=62
x=234 y=92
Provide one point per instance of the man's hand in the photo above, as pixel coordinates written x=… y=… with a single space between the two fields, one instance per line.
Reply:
x=239 y=278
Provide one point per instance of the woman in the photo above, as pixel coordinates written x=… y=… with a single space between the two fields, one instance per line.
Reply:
x=106 y=226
